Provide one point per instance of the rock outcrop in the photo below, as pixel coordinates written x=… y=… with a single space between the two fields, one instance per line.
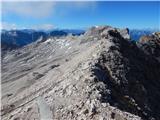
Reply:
x=100 y=75
x=151 y=45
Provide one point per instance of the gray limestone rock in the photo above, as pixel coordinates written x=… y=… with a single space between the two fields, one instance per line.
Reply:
x=100 y=75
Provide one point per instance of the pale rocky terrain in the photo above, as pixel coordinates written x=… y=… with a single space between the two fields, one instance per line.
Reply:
x=101 y=75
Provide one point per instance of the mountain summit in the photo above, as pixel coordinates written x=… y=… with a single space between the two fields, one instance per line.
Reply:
x=100 y=75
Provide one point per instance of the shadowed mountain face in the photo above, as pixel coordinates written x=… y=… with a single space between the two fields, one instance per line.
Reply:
x=17 y=38
x=99 y=75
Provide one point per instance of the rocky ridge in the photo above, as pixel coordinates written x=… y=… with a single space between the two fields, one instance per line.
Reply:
x=100 y=75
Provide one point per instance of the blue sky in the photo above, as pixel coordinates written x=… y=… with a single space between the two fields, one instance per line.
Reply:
x=79 y=15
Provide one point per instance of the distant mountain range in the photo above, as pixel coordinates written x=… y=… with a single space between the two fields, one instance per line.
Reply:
x=136 y=33
x=17 y=38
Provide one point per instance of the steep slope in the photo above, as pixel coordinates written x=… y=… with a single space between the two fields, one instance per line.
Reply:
x=133 y=77
x=150 y=44
x=99 y=75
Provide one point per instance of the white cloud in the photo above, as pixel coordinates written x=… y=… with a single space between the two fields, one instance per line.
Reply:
x=40 y=9
x=8 y=26
x=43 y=27
x=28 y=9
x=11 y=26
